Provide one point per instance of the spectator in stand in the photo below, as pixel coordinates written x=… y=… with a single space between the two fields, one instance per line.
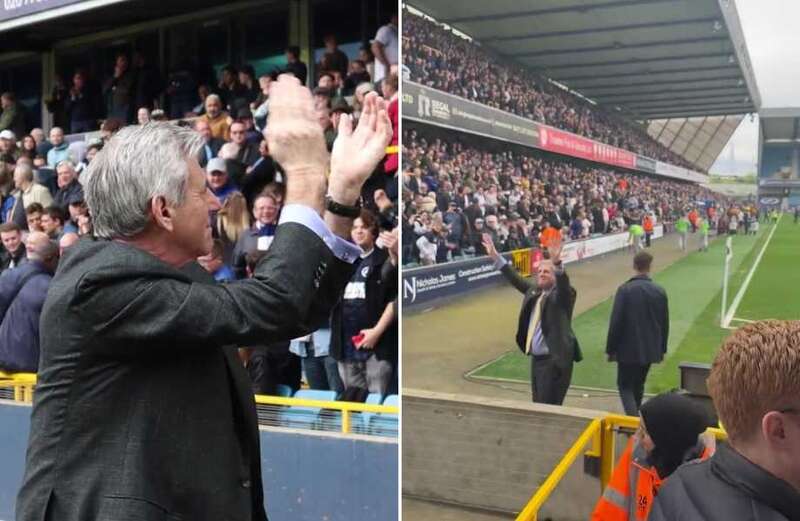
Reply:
x=110 y=127
x=42 y=145
x=214 y=264
x=266 y=211
x=27 y=193
x=233 y=94
x=82 y=105
x=60 y=149
x=232 y=221
x=272 y=364
x=366 y=56
x=22 y=294
x=358 y=100
x=143 y=116
x=439 y=59
x=120 y=90
x=363 y=340
x=68 y=186
x=8 y=145
x=218 y=180
x=217 y=119
x=333 y=59
x=203 y=92
x=211 y=144
x=389 y=88
x=248 y=152
x=247 y=79
x=356 y=76
x=56 y=102
x=12 y=116
x=33 y=215
x=149 y=83
x=13 y=253
x=384 y=47
x=53 y=220
x=294 y=65
x=756 y=393
x=260 y=107
x=321 y=369
x=28 y=148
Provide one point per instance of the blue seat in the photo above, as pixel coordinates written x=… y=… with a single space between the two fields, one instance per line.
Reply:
x=360 y=421
x=283 y=390
x=385 y=424
x=306 y=417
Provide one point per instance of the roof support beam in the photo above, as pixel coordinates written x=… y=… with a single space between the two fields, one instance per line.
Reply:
x=633 y=60
x=660 y=114
x=713 y=137
x=598 y=30
x=690 y=140
x=648 y=73
x=648 y=96
x=620 y=89
x=621 y=47
x=553 y=10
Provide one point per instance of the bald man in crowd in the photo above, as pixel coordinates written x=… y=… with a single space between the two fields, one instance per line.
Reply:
x=22 y=295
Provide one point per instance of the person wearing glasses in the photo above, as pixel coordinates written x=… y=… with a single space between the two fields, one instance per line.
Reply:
x=669 y=434
x=756 y=475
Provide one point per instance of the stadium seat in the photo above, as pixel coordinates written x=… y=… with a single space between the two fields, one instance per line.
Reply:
x=383 y=424
x=360 y=421
x=283 y=390
x=305 y=417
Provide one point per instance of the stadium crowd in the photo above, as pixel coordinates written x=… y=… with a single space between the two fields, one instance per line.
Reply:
x=43 y=211
x=455 y=191
x=438 y=58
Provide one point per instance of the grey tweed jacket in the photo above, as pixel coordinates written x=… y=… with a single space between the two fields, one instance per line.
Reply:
x=141 y=413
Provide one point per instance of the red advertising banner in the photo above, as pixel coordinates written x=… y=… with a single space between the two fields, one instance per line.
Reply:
x=569 y=144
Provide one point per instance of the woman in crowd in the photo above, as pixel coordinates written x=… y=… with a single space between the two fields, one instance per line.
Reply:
x=233 y=220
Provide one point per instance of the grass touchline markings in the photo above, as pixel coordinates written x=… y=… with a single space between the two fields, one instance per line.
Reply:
x=743 y=289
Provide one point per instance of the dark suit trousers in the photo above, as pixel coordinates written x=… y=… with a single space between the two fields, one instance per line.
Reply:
x=630 y=382
x=549 y=383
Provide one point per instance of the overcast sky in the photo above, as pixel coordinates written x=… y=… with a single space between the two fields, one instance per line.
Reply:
x=773 y=42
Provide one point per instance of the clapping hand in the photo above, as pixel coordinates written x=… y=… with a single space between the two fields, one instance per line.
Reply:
x=356 y=152
x=295 y=138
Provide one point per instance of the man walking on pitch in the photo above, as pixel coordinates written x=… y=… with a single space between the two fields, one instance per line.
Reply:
x=545 y=323
x=637 y=334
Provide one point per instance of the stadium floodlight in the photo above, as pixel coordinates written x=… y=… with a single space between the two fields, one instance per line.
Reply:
x=725 y=277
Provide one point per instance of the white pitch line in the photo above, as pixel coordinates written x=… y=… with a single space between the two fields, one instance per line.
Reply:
x=740 y=295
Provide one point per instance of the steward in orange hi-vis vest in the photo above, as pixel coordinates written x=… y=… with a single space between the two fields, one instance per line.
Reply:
x=638 y=474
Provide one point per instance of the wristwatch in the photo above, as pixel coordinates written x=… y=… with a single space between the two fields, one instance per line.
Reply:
x=342 y=209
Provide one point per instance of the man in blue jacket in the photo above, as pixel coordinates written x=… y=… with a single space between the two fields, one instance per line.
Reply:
x=22 y=294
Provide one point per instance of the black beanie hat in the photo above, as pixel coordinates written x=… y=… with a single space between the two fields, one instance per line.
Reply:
x=673 y=422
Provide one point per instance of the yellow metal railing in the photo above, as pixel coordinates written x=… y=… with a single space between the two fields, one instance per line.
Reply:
x=522 y=261
x=346 y=408
x=601 y=434
x=22 y=384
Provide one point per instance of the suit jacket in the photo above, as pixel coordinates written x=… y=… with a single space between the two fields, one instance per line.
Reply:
x=22 y=294
x=141 y=412
x=556 y=316
x=639 y=326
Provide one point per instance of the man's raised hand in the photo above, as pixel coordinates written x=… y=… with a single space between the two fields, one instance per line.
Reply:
x=356 y=152
x=295 y=137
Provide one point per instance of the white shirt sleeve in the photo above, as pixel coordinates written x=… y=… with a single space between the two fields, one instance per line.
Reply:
x=300 y=214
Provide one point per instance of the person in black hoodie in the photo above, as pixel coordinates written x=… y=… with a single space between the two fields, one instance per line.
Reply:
x=755 y=476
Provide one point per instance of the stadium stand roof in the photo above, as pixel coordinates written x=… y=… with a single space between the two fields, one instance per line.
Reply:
x=683 y=62
x=780 y=124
